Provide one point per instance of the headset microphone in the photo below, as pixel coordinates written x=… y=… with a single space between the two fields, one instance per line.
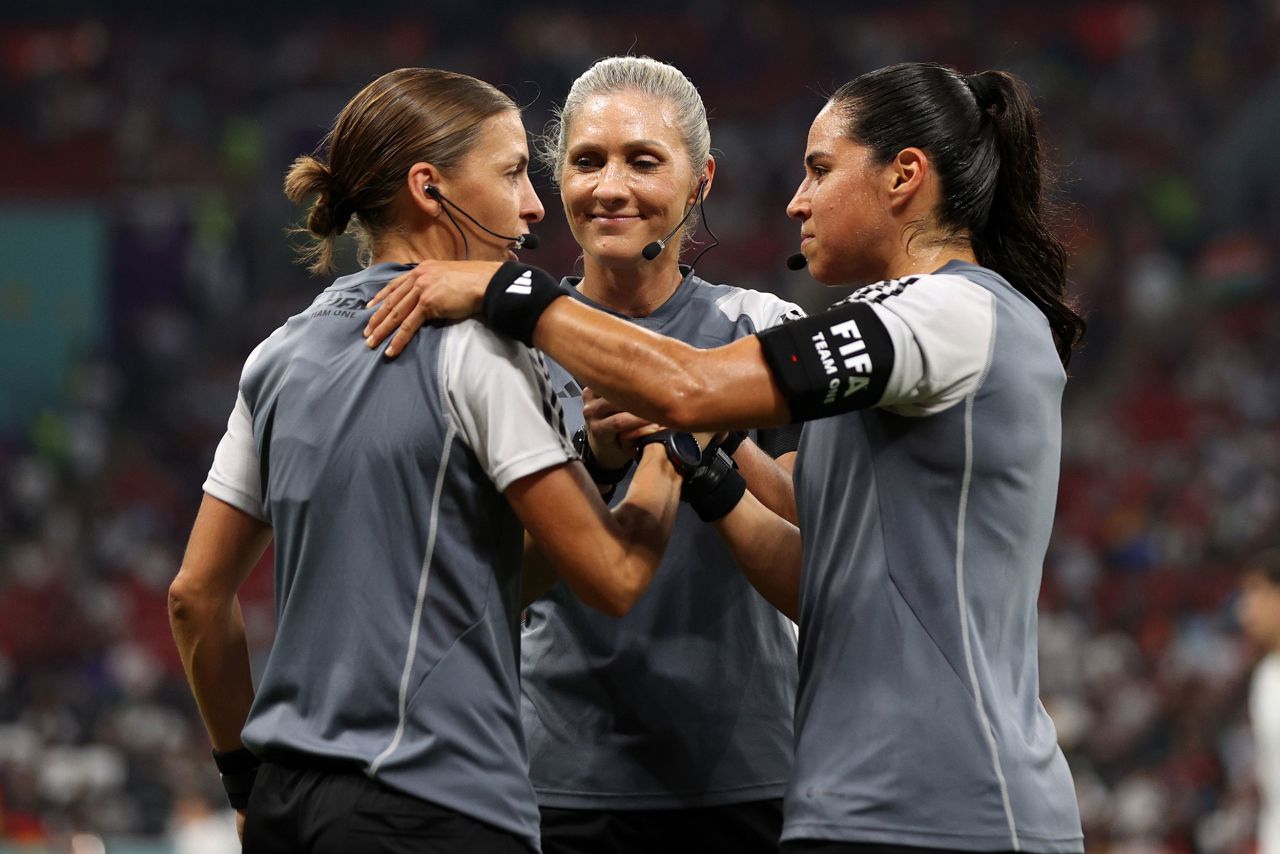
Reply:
x=520 y=241
x=797 y=261
x=654 y=249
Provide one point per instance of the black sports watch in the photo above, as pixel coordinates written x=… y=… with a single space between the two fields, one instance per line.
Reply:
x=683 y=450
x=598 y=473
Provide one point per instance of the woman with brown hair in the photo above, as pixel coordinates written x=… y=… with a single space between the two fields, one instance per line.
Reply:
x=387 y=715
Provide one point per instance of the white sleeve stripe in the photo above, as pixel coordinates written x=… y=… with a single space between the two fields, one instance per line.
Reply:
x=943 y=336
x=498 y=396
x=531 y=463
x=762 y=309
x=236 y=468
x=237 y=498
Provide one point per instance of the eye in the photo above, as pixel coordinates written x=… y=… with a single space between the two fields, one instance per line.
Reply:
x=646 y=164
x=585 y=162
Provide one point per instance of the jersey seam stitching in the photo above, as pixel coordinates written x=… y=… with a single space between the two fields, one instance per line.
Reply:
x=419 y=605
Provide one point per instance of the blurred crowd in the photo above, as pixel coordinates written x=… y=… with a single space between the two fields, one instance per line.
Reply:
x=1160 y=116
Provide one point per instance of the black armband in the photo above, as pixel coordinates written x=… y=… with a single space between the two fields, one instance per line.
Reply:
x=516 y=297
x=239 y=768
x=714 y=488
x=833 y=362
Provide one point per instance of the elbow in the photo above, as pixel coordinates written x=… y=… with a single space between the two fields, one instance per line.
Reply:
x=623 y=592
x=181 y=603
x=186 y=603
x=619 y=601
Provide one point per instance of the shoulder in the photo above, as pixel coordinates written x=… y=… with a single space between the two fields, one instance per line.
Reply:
x=471 y=347
x=261 y=357
x=762 y=309
x=933 y=287
x=472 y=335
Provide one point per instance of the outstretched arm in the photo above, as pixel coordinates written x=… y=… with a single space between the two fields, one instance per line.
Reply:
x=653 y=376
x=835 y=362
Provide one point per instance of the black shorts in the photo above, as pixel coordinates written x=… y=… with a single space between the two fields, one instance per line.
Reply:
x=749 y=828
x=822 y=846
x=334 y=811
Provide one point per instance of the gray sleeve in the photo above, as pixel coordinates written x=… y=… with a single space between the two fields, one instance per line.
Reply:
x=498 y=395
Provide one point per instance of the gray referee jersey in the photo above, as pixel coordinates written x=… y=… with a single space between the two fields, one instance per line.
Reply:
x=918 y=720
x=687 y=701
x=397 y=565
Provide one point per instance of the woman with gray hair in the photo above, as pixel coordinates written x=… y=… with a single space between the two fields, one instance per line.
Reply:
x=671 y=726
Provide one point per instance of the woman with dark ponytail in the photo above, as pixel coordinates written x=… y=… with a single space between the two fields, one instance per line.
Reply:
x=927 y=472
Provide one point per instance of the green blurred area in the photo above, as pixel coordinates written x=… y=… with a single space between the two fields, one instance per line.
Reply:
x=52 y=302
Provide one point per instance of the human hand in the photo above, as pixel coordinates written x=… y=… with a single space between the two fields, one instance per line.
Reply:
x=433 y=290
x=611 y=431
x=240 y=825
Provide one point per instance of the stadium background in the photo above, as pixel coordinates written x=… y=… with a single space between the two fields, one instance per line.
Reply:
x=142 y=255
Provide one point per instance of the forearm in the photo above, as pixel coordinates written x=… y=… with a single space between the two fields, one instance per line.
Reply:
x=215 y=655
x=767 y=548
x=660 y=378
x=768 y=479
x=643 y=520
x=539 y=573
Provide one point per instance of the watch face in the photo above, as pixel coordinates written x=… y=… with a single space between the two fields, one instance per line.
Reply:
x=686 y=448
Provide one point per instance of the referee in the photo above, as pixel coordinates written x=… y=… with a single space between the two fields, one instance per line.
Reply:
x=669 y=729
x=387 y=715
x=926 y=477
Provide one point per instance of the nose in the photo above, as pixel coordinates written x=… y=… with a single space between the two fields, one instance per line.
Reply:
x=611 y=184
x=531 y=209
x=798 y=208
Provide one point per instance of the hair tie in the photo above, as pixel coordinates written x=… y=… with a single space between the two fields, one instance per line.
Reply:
x=341 y=214
x=984 y=92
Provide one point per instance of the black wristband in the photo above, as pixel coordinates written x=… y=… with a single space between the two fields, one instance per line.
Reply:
x=598 y=473
x=239 y=768
x=733 y=441
x=714 y=488
x=516 y=297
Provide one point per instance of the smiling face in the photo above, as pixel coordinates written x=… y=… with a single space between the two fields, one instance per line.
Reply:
x=492 y=183
x=845 y=230
x=626 y=179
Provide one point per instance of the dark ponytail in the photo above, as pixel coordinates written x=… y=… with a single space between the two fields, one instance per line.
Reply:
x=982 y=134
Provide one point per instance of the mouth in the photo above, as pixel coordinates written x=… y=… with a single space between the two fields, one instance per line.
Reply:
x=613 y=219
x=805 y=240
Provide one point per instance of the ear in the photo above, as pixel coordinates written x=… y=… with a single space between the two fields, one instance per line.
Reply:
x=907 y=174
x=420 y=175
x=708 y=175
